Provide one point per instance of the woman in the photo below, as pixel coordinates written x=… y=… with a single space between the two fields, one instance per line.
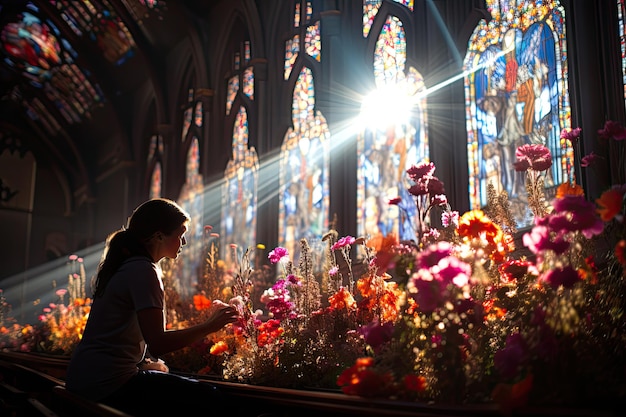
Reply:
x=127 y=320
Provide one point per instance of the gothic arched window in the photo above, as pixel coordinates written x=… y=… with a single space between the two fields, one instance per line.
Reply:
x=516 y=93
x=394 y=137
x=240 y=192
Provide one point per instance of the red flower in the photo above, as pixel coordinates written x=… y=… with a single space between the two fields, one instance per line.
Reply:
x=535 y=157
x=415 y=383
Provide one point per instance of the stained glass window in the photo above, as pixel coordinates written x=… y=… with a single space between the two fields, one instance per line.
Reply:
x=191 y=199
x=34 y=48
x=304 y=198
x=186 y=122
x=239 y=195
x=307 y=33
x=248 y=82
x=385 y=152
x=370 y=10
x=292 y=48
x=516 y=93
x=156 y=181
x=231 y=92
x=98 y=22
x=198 y=114
x=312 y=41
x=155 y=155
x=621 y=12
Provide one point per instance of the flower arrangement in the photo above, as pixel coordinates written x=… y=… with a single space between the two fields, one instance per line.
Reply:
x=470 y=312
x=461 y=315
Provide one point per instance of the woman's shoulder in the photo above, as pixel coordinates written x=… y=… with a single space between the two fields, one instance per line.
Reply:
x=138 y=263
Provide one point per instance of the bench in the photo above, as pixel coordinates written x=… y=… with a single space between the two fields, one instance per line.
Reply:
x=69 y=404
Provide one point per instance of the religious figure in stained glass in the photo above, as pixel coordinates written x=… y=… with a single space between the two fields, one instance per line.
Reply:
x=516 y=91
x=239 y=194
x=387 y=150
x=304 y=198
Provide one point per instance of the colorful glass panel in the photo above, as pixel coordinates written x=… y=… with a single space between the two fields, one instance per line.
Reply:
x=187 y=118
x=292 y=48
x=35 y=48
x=370 y=10
x=296 y=15
x=385 y=153
x=248 y=82
x=516 y=93
x=98 y=21
x=231 y=92
x=304 y=159
x=246 y=51
x=191 y=199
x=390 y=55
x=621 y=13
x=239 y=194
x=198 y=114
x=156 y=181
x=313 y=41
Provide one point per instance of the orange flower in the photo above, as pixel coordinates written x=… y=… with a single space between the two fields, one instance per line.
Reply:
x=200 y=302
x=219 y=348
x=566 y=189
x=610 y=203
x=342 y=299
x=475 y=224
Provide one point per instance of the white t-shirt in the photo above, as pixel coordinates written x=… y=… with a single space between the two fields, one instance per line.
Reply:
x=112 y=343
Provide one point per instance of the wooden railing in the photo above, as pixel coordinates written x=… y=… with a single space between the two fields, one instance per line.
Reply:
x=287 y=402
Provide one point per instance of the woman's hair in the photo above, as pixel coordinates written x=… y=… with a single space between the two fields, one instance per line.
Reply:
x=158 y=215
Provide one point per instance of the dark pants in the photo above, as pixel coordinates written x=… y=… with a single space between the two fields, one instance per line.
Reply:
x=151 y=393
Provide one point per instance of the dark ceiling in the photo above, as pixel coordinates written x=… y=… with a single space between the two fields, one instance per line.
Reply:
x=116 y=45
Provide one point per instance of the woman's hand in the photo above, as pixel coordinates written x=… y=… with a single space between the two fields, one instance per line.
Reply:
x=221 y=315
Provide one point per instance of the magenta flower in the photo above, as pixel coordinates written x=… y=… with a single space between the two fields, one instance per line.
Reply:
x=376 y=334
x=535 y=157
x=421 y=171
x=509 y=360
x=433 y=254
x=566 y=277
x=419 y=188
x=589 y=160
x=581 y=216
x=277 y=254
x=572 y=135
x=612 y=130
x=343 y=242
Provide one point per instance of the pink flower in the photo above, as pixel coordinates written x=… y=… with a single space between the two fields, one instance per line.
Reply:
x=571 y=135
x=538 y=240
x=612 y=130
x=343 y=242
x=277 y=254
x=449 y=218
x=535 y=157
x=333 y=271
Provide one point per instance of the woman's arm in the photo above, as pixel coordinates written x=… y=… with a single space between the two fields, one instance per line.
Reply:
x=161 y=341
